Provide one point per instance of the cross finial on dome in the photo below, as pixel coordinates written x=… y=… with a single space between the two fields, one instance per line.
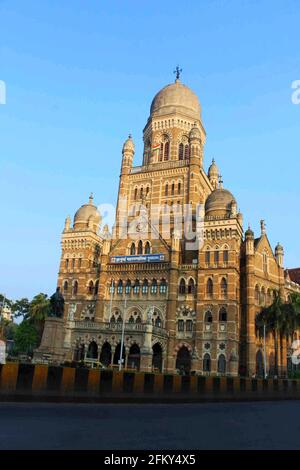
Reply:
x=91 y=198
x=177 y=72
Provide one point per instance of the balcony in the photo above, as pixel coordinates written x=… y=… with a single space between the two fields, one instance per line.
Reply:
x=117 y=327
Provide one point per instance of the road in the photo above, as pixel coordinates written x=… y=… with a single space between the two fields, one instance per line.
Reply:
x=260 y=425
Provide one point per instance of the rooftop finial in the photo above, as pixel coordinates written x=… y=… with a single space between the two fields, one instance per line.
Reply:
x=177 y=72
x=220 y=182
x=263 y=227
x=91 y=198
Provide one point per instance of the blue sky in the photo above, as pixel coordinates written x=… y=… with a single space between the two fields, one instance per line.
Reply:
x=80 y=75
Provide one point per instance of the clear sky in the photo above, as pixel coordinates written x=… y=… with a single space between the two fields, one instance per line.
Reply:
x=80 y=75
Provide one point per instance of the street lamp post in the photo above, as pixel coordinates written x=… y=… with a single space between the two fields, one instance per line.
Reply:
x=123 y=333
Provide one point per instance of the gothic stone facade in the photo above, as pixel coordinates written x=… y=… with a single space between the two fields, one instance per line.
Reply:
x=191 y=309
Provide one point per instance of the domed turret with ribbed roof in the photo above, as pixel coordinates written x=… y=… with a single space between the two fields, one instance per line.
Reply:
x=219 y=203
x=87 y=216
x=176 y=97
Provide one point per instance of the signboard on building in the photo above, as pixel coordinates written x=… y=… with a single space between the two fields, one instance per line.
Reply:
x=2 y=352
x=157 y=258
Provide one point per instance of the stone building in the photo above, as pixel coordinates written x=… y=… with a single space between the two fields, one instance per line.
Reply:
x=189 y=300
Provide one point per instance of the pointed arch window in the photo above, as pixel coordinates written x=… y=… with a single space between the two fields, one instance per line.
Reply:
x=154 y=286
x=166 y=189
x=173 y=189
x=186 y=152
x=209 y=287
x=91 y=288
x=223 y=287
x=120 y=287
x=145 y=287
x=216 y=256
x=163 y=286
x=182 y=287
x=67 y=263
x=223 y=314
x=75 y=288
x=206 y=363
x=166 y=150
x=147 y=248
x=140 y=248
x=207 y=256
x=208 y=317
x=225 y=255
x=136 y=287
x=132 y=249
x=191 y=286
x=128 y=287
x=180 y=151
x=66 y=286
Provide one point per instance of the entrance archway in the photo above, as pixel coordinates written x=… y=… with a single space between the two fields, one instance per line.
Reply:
x=117 y=354
x=259 y=364
x=105 y=356
x=92 y=352
x=183 y=361
x=134 y=357
x=222 y=364
x=157 y=357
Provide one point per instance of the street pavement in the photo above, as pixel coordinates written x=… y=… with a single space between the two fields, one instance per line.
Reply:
x=248 y=425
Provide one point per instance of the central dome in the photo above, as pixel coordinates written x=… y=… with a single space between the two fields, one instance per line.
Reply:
x=219 y=203
x=176 y=97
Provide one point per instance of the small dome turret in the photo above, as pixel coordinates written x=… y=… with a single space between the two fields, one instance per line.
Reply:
x=213 y=174
x=219 y=203
x=87 y=216
x=128 y=145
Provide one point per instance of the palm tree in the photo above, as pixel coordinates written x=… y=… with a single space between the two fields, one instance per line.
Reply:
x=272 y=319
x=38 y=312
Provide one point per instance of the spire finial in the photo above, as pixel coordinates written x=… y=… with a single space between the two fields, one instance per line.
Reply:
x=263 y=226
x=177 y=72
x=220 y=182
x=91 y=198
x=129 y=136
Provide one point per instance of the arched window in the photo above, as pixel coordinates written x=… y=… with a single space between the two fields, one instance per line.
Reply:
x=265 y=262
x=113 y=319
x=131 y=319
x=75 y=288
x=216 y=256
x=158 y=322
x=147 y=248
x=166 y=150
x=79 y=262
x=189 y=325
x=223 y=287
x=221 y=364
x=208 y=317
x=180 y=152
x=66 y=286
x=166 y=189
x=182 y=287
x=223 y=314
x=180 y=325
x=141 y=192
x=136 y=287
x=96 y=287
x=138 y=319
x=173 y=189
x=128 y=287
x=163 y=286
x=135 y=193
x=119 y=319
x=67 y=263
x=140 y=248
x=132 y=249
x=154 y=286
x=145 y=287
x=91 y=288
x=179 y=188
x=257 y=294
x=209 y=287
x=120 y=287
x=186 y=152
x=225 y=256
x=207 y=256
x=206 y=363
x=191 y=286
x=112 y=287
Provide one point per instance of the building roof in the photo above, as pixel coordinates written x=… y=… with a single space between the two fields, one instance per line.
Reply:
x=294 y=274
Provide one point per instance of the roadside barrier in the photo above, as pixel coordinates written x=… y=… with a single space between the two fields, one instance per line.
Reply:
x=32 y=381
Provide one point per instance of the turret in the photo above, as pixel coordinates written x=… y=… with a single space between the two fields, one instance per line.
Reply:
x=249 y=236
x=127 y=155
x=279 y=253
x=67 y=224
x=196 y=154
x=213 y=174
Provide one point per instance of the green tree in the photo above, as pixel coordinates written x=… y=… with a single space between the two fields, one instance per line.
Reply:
x=20 y=308
x=26 y=337
x=39 y=309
